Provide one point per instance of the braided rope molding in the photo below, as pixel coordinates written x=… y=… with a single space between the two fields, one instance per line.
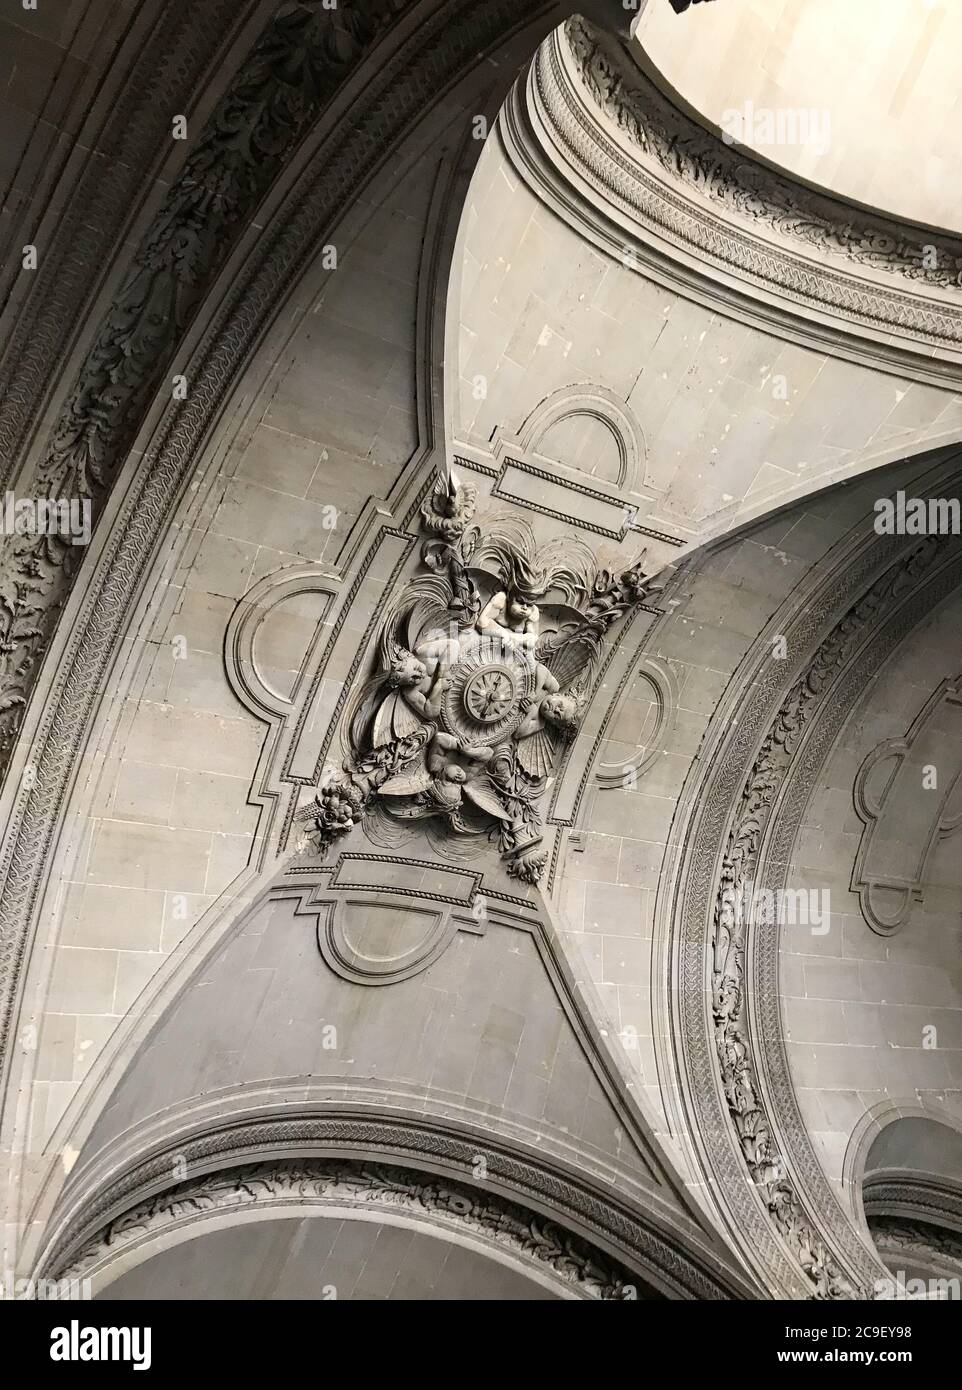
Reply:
x=397 y=96
x=353 y=856
x=773 y=870
x=722 y=790
x=609 y=1219
x=913 y=1196
x=439 y=1205
x=308 y=703
x=166 y=74
x=690 y=156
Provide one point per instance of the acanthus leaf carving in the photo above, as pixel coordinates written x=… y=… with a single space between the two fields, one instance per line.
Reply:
x=368 y=1185
x=702 y=161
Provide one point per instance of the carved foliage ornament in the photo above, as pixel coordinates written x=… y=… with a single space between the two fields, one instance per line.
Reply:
x=478 y=687
x=294 y=68
x=743 y=186
x=530 y=1238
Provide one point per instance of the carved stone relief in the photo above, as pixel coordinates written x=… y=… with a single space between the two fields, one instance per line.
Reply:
x=742 y=966
x=400 y=91
x=732 y=1045
x=748 y=189
x=597 y=140
x=477 y=687
x=292 y=71
x=449 y=1207
x=897 y=1239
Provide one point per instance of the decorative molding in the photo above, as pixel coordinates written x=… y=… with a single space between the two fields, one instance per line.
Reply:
x=626 y=1230
x=725 y=1064
x=395 y=96
x=570 y=509
x=895 y=1237
x=599 y=404
x=598 y=140
x=660 y=677
x=895 y=846
x=756 y=195
x=293 y=70
x=728 y=984
x=167 y=67
x=911 y=606
x=446 y=1208
x=918 y=1197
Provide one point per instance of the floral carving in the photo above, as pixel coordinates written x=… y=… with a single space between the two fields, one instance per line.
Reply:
x=897 y=1236
x=453 y=1206
x=743 y=186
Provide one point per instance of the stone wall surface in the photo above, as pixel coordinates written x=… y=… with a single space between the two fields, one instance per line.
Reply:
x=872 y=1020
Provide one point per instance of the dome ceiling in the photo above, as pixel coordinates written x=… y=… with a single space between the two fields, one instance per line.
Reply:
x=861 y=98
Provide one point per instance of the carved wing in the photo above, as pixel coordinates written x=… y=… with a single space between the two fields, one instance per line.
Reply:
x=569 y=653
x=413 y=779
x=481 y=794
x=426 y=604
x=395 y=719
x=536 y=753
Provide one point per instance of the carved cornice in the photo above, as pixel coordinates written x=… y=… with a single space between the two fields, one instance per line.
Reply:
x=167 y=70
x=614 y=1223
x=675 y=199
x=738 y=1085
x=928 y=1244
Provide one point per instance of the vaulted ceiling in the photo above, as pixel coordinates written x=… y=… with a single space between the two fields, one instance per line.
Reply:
x=674 y=372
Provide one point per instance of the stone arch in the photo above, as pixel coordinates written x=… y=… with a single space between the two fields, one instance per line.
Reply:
x=541 y=1219
x=907 y=1165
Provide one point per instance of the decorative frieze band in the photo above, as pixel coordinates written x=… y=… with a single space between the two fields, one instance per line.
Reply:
x=442 y=1206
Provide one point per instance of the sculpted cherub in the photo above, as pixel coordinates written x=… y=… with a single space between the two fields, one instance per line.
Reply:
x=510 y=618
x=416 y=683
x=551 y=718
x=438 y=783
